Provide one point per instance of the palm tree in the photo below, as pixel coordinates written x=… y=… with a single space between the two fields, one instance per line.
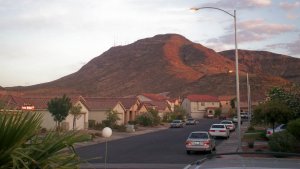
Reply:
x=22 y=147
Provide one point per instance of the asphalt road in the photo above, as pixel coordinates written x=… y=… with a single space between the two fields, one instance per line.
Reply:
x=166 y=146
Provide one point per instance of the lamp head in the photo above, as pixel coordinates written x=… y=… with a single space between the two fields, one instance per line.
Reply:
x=106 y=132
x=194 y=9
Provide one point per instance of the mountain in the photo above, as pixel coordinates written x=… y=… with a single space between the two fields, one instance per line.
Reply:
x=166 y=63
x=268 y=63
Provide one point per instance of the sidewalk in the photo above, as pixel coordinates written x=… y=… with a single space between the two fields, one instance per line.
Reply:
x=119 y=135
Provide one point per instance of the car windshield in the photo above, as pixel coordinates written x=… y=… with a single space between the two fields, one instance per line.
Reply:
x=190 y=119
x=226 y=122
x=199 y=136
x=176 y=121
x=217 y=126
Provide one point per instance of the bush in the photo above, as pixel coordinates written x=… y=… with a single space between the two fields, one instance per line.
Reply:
x=111 y=119
x=120 y=128
x=282 y=142
x=293 y=127
x=145 y=119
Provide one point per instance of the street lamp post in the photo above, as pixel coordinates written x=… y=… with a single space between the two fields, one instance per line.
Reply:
x=236 y=70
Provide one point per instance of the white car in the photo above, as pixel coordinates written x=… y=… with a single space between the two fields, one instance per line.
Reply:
x=229 y=124
x=278 y=128
x=200 y=141
x=219 y=130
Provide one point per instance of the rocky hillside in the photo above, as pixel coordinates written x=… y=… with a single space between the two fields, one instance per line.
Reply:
x=167 y=63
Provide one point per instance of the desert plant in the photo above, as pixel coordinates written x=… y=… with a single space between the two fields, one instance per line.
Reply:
x=21 y=147
x=282 y=142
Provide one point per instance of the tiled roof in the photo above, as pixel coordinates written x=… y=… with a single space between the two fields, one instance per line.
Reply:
x=99 y=103
x=202 y=98
x=155 y=97
x=159 y=105
x=226 y=98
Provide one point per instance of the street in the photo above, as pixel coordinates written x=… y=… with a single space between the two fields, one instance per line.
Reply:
x=166 y=146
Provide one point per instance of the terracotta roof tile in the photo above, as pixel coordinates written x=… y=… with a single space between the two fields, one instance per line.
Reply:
x=202 y=98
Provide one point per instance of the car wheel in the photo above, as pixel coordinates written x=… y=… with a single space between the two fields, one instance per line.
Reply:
x=188 y=151
x=214 y=149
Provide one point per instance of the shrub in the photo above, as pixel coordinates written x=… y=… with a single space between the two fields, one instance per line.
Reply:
x=250 y=128
x=218 y=112
x=92 y=123
x=111 y=119
x=120 y=128
x=293 y=127
x=282 y=142
x=145 y=119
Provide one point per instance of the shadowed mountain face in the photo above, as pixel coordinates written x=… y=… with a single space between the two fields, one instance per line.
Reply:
x=166 y=63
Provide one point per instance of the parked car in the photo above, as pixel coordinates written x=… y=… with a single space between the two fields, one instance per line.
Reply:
x=200 y=141
x=278 y=128
x=190 y=121
x=235 y=120
x=219 y=130
x=229 y=124
x=176 y=124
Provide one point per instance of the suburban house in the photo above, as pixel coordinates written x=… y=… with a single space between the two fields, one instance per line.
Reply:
x=98 y=108
x=39 y=104
x=225 y=103
x=159 y=102
x=199 y=106
x=172 y=102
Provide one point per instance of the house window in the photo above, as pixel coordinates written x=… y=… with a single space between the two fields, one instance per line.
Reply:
x=213 y=103
x=202 y=103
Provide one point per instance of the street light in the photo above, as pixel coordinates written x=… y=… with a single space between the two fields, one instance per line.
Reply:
x=236 y=70
x=106 y=133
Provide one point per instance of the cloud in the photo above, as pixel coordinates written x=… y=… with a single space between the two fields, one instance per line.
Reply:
x=241 y=4
x=254 y=30
x=293 y=48
x=289 y=6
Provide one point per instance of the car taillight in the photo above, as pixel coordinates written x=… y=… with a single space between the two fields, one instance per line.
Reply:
x=222 y=130
x=269 y=132
x=206 y=142
x=211 y=130
x=188 y=143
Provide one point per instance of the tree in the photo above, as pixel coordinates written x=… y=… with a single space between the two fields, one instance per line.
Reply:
x=76 y=112
x=21 y=148
x=59 y=108
x=272 y=112
x=218 y=112
x=291 y=97
x=232 y=103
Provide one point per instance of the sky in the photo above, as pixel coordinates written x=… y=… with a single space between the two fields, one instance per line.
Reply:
x=43 y=40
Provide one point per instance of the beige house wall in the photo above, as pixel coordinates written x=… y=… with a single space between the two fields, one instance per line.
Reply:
x=100 y=115
x=81 y=122
x=198 y=109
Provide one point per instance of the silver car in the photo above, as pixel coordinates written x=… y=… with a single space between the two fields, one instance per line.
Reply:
x=200 y=141
x=176 y=124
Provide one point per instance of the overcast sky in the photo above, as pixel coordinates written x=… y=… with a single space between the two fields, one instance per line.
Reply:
x=43 y=40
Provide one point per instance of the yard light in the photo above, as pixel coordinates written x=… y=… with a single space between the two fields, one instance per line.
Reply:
x=106 y=133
